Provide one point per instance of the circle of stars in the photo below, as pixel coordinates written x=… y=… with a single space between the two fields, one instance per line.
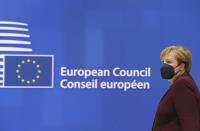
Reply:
x=23 y=62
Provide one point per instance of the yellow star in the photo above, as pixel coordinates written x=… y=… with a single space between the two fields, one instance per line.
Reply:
x=37 y=66
x=18 y=76
x=23 y=62
x=22 y=80
x=33 y=80
x=18 y=65
x=39 y=71
x=28 y=82
x=34 y=62
x=38 y=76
x=17 y=71
x=28 y=60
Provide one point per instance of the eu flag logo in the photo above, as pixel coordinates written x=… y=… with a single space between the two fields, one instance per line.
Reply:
x=26 y=71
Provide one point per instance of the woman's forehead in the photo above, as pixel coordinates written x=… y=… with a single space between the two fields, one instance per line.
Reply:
x=169 y=56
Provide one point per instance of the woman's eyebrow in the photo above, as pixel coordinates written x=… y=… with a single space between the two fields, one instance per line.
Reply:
x=168 y=59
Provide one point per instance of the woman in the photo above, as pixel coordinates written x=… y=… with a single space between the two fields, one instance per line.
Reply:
x=179 y=108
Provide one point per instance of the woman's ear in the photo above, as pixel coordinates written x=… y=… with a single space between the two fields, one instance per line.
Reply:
x=182 y=66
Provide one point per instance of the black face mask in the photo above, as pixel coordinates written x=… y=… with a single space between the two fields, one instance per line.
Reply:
x=167 y=71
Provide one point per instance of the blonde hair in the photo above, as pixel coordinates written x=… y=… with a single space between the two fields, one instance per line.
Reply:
x=182 y=55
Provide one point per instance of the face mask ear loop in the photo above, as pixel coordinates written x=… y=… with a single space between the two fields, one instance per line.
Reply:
x=177 y=66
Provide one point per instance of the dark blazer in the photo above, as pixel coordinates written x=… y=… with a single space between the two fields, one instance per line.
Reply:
x=179 y=108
